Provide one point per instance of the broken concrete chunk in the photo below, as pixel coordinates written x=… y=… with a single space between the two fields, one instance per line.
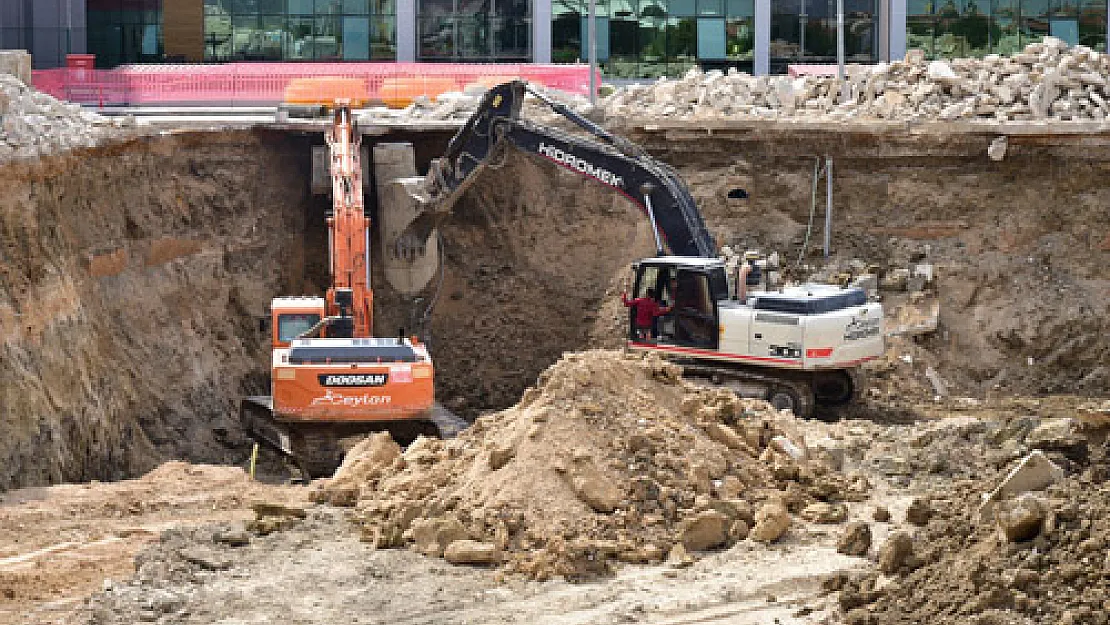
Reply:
x=771 y=522
x=856 y=539
x=997 y=149
x=895 y=553
x=1023 y=518
x=472 y=552
x=919 y=512
x=822 y=512
x=705 y=531
x=1034 y=472
x=431 y=536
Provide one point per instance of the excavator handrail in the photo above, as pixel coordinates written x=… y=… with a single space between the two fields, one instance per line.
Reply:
x=607 y=158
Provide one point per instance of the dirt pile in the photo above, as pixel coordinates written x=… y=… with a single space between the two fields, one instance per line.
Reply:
x=36 y=124
x=1046 y=81
x=1040 y=558
x=611 y=457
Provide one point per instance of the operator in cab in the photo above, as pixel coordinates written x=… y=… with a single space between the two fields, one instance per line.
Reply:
x=646 y=309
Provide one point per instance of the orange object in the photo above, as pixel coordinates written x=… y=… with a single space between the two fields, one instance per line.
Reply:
x=399 y=92
x=327 y=91
x=330 y=377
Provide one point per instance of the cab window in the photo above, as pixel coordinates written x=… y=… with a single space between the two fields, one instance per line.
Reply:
x=290 y=325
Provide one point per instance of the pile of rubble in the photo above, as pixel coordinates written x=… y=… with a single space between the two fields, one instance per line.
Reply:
x=456 y=106
x=611 y=458
x=1035 y=557
x=1045 y=81
x=34 y=124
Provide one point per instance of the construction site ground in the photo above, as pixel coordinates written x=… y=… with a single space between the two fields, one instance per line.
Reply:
x=601 y=487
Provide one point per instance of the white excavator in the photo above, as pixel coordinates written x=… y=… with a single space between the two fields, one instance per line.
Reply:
x=798 y=347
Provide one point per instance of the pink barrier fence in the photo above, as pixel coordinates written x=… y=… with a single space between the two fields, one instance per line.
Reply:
x=264 y=83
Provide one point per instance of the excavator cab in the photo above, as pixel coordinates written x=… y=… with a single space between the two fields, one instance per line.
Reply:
x=691 y=288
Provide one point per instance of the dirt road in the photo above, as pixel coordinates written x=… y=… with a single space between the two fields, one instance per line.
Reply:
x=60 y=544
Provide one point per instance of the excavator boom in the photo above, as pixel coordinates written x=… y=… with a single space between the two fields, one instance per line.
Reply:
x=611 y=160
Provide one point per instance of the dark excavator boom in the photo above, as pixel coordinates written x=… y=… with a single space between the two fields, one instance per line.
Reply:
x=610 y=160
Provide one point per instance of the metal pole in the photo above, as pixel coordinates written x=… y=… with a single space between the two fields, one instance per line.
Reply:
x=828 y=204
x=654 y=226
x=840 y=49
x=592 y=43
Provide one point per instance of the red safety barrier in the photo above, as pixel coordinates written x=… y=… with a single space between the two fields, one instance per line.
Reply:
x=264 y=84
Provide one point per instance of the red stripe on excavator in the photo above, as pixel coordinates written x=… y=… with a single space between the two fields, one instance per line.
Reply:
x=820 y=352
x=691 y=350
x=706 y=352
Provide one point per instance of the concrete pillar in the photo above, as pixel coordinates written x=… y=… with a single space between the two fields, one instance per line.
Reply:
x=406 y=32
x=394 y=162
x=883 y=39
x=762 y=63
x=541 y=31
x=897 y=30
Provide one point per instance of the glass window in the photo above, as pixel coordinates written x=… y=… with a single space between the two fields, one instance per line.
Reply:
x=567 y=31
x=740 y=39
x=290 y=325
x=301 y=7
x=602 y=39
x=681 y=8
x=711 y=7
x=486 y=30
x=711 y=39
x=1092 y=24
x=1034 y=20
x=383 y=45
x=356 y=38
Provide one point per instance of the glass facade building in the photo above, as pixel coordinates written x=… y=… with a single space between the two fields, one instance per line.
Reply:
x=636 y=39
x=651 y=38
x=300 y=30
x=947 y=28
x=474 y=30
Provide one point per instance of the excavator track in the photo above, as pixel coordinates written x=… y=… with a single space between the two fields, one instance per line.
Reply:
x=317 y=449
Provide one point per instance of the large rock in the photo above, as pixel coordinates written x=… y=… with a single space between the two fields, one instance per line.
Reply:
x=822 y=512
x=856 y=539
x=919 y=512
x=707 y=530
x=472 y=552
x=1023 y=518
x=593 y=488
x=432 y=536
x=896 y=553
x=771 y=522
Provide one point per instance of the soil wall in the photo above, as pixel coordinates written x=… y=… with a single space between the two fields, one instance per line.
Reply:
x=132 y=277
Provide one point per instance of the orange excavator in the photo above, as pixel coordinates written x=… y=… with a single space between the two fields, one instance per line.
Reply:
x=330 y=377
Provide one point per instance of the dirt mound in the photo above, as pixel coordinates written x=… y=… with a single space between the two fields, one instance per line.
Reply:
x=611 y=457
x=962 y=568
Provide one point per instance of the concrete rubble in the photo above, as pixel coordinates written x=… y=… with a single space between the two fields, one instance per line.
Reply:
x=1046 y=81
x=34 y=124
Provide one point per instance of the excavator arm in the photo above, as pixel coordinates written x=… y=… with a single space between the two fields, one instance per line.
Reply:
x=605 y=158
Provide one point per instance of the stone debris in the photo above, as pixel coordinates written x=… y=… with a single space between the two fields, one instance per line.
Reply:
x=1034 y=472
x=896 y=553
x=34 y=124
x=855 y=540
x=1021 y=519
x=615 y=458
x=472 y=552
x=1046 y=81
